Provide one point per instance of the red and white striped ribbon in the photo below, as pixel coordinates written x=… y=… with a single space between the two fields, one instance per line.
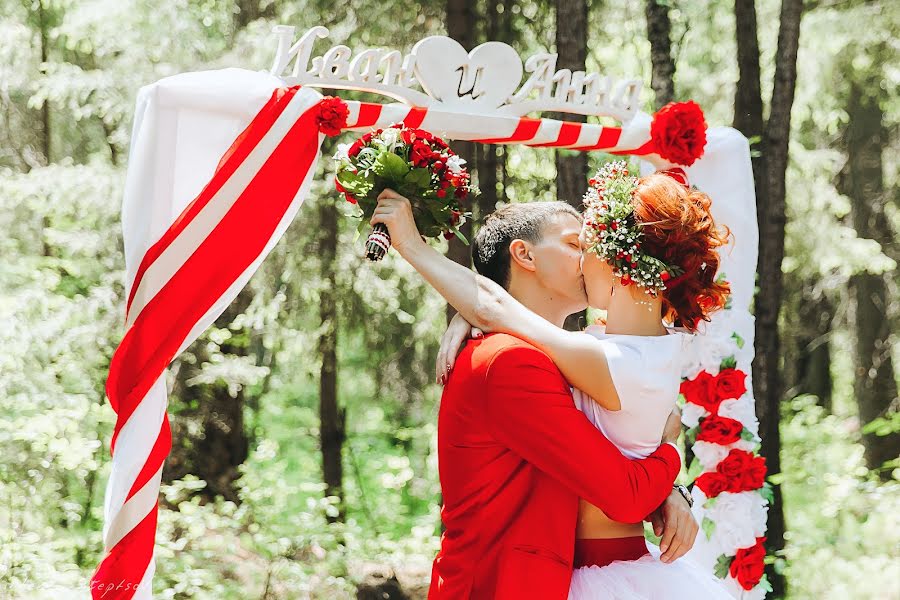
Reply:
x=184 y=282
x=632 y=139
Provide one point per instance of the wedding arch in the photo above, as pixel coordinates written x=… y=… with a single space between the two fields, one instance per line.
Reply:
x=221 y=162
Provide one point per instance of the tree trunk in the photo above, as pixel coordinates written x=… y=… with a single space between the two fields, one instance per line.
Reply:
x=460 y=19
x=572 y=166
x=208 y=437
x=862 y=179
x=332 y=429
x=659 y=32
x=571 y=46
x=491 y=159
x=44 y=27
x=813 y=364
x=748 y=103
x=769 y=175
x=247 y=11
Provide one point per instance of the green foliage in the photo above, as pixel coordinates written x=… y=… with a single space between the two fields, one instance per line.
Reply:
x=839 y=514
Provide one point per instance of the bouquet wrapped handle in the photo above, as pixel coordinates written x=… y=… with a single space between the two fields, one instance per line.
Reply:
x=378 y=242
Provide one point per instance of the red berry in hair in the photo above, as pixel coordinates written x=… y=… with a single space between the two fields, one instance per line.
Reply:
x=441 y=193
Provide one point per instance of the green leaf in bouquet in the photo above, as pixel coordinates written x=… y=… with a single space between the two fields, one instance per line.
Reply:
x=419 y=178
x=390 y=166
x=460 y=235
x=355 y=183
x=359 y=229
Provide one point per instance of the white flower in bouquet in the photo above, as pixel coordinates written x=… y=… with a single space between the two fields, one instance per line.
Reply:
x=342 y=152
x=389 y=137
x=455 y=164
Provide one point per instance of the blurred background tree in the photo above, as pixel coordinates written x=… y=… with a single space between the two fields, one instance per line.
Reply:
x=304 y=461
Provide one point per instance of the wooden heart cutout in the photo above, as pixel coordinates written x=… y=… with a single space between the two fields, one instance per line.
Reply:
x=487 y=76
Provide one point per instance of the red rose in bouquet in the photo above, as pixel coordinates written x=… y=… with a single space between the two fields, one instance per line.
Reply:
x=415 y=164
x=730 y=384
x=719 y=430
x=749 y=564
x=679 y=132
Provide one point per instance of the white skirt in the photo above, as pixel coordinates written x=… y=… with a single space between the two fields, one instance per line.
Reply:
x=647 y=578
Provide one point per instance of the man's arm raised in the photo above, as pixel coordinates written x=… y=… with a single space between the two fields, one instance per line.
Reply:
x=530 y=410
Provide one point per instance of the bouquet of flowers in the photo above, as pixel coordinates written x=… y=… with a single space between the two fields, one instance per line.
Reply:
x=415 y=164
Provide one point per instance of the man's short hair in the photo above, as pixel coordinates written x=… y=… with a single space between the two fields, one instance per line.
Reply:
x=522 y=221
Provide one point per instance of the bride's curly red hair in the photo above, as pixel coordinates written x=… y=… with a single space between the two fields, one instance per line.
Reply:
x=679 y=229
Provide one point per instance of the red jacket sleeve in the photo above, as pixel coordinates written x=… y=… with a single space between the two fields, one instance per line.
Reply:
x=531 y=412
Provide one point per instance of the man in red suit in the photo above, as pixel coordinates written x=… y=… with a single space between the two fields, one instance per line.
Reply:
x=514 y=453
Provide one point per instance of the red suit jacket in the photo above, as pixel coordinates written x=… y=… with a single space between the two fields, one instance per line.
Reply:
x=514 y=457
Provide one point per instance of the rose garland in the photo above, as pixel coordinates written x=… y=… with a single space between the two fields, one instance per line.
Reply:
x=729 y=475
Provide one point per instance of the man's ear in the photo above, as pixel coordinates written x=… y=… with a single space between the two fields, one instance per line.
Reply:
x=520 y=253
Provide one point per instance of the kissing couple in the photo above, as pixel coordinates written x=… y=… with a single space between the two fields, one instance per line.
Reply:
x=555 y=446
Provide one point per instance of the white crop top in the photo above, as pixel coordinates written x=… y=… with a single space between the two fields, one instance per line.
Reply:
x=646 y=371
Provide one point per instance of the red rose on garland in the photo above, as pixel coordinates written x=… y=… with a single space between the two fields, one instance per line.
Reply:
x=679 y=132
x=749 y=564
x=719 y=430
x=754 y=476
x=701 y=391
x=740 y=471
x=730 y=384
x=332 y=115
x=712 y=484
x=743 y=470
x=733 y=466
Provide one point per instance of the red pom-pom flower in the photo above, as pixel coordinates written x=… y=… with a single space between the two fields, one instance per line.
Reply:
x=679 y=132
x=332 y=115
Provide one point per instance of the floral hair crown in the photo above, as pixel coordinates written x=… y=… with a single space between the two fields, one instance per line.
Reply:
x=613 y=232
